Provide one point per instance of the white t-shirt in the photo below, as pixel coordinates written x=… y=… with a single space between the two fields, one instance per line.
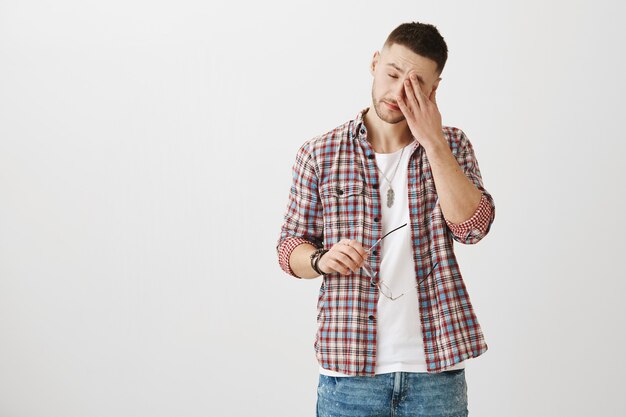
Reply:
x=399 y=344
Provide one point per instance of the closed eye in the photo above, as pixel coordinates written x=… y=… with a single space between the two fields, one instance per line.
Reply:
x=392 y=76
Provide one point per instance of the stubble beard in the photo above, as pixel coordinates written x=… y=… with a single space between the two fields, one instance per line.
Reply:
x=384 y=113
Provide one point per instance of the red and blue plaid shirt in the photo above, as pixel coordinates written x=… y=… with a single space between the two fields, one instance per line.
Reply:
x=335 y=195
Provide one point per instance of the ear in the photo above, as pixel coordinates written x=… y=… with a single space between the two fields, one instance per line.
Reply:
x=375 y=59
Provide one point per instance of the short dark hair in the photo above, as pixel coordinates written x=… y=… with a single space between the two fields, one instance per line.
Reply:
x=422 y=38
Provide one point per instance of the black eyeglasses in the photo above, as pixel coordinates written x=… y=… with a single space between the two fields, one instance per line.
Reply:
x=384 y=288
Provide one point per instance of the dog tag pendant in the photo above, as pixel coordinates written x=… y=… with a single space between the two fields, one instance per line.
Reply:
x=390 y=196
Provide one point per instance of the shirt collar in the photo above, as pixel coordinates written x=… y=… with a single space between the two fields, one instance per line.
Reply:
x=358 y=129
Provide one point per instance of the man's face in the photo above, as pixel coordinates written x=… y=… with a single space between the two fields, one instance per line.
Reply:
x=390 y=68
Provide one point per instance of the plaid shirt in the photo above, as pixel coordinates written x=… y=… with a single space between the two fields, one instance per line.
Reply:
x=335 y=195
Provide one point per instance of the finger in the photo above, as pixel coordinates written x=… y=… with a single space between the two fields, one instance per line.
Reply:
x=411 y=100
x=328 y=262
x=364 y=253
x=351 y=257
x=337 y=266
x=359 y=248
x=401 y=104
x=357 y=256
x=345 y=262
x=417 y=88
x=433 y=96
x=350 y=248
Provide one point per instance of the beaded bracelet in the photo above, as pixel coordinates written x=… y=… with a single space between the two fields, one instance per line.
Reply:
x=317 y=260
x=315 y=257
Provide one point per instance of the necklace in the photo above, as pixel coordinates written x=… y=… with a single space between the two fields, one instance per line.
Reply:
x=390 y=192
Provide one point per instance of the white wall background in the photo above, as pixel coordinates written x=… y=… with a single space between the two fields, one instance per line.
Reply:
x=145 y=156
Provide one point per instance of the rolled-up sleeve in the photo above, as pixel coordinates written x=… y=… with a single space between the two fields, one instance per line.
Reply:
x=303 y=219
x=478 y=225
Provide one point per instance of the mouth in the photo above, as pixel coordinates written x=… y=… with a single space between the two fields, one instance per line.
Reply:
x=392 y=106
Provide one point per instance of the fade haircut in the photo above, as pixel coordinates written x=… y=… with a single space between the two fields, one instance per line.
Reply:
x=422 y=38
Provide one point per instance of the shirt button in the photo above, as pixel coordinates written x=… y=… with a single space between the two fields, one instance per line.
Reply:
x=376 y=219
x=371 y=317
x=370 y=156
x=339 y=191
x=362 y=131
x=375 y=186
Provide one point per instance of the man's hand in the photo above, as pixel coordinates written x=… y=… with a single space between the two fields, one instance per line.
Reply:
x=421 y=113
x=342 y=257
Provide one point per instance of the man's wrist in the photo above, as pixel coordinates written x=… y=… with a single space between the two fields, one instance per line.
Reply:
x=319 y=258
x=438 y=147
x=315 y=257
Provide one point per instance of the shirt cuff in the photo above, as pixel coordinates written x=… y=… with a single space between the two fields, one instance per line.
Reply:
x=479 y=220
x=285 y=250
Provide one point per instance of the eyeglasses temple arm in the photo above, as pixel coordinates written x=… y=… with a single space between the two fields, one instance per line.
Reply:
x=384 y=236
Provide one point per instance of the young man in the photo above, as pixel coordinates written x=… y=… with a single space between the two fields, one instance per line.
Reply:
x=395 y=322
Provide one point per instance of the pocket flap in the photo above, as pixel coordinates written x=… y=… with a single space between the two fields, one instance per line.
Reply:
x=342 y=190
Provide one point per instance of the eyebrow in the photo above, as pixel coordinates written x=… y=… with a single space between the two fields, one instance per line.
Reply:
x=391 y=64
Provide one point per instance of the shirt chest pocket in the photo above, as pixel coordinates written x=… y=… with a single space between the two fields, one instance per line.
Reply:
x=344 y=206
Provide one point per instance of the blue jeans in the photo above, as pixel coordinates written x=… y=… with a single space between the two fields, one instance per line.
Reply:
x=393 y=394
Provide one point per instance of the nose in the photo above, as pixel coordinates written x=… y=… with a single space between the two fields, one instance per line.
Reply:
x=398 y=89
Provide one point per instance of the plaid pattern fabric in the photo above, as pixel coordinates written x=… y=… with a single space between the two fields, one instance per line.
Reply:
x=334 y=196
